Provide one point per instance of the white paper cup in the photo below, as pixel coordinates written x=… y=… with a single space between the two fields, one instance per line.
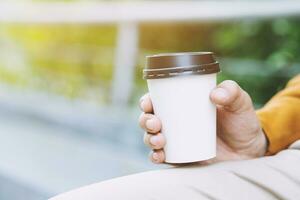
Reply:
x=179 y=86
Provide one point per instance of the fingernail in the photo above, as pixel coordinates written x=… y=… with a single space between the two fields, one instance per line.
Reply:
x=154 y=140
x=142 y=104
x=150 y=124
x=221 y=93
x=155 y=157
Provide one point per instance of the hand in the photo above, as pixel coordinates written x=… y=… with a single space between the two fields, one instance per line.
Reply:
x=239 y=134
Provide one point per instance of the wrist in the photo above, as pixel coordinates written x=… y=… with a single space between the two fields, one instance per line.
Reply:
x=262 y=144
x=257 y=147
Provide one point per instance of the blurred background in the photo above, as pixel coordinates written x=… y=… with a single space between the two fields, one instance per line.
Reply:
x=71 y=79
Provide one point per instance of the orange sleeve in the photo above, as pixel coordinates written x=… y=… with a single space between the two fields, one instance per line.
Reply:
x=280 y=117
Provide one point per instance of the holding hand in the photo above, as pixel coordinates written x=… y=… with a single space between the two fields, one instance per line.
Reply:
x=239 y=134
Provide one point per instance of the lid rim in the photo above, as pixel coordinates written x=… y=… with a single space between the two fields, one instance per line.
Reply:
x=181 y=54
x=178 y=71
x=174 y=64
x=181 y=67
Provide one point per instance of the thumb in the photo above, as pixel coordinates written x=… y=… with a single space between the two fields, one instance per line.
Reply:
x=231 y=97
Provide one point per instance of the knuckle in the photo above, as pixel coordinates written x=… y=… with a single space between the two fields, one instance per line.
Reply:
x=145 y=103
x=161 y=156
x=234 y=85
x=142 y=98
x=158 y=122
x=233 y=88
x=146 y=138
x=142 y=119
x=145 y=96
x=161 y=141
x=151 y=156
x=230 y=82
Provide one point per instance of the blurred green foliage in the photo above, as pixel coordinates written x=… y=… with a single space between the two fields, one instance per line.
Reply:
x=260 y=55
x=77 y=60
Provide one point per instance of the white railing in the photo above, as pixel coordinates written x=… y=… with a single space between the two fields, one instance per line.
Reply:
x=129 y=15
x=145 y=11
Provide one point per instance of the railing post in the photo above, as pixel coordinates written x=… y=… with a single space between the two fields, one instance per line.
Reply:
x=125 y=61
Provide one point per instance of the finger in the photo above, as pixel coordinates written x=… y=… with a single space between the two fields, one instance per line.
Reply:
x=231 y=96
x=157 y=156
x=155 y=141
x=146 y=104
x=150 y=123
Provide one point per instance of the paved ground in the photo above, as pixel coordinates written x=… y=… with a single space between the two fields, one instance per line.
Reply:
x=41 y=156
x=10 y=189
